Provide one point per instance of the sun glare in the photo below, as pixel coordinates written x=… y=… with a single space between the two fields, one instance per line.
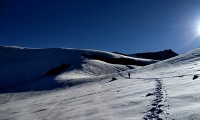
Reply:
x=198 y=29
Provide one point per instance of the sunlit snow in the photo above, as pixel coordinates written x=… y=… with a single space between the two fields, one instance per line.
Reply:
x=164 y=90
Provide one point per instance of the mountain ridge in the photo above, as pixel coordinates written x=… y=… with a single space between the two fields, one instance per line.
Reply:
x=160 y=55
x=28 y=65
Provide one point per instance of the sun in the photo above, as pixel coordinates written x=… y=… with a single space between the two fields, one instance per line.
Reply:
x=198 y=29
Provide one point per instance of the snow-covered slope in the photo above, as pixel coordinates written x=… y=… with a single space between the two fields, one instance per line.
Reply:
x=166 y=90
x=20 y=66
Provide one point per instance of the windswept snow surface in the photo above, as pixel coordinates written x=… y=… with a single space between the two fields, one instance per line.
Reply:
x=165 y=90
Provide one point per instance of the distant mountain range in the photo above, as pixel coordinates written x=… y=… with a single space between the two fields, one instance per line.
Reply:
x=160 y=55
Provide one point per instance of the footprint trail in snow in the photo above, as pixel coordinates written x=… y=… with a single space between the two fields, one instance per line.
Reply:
x=159 y=105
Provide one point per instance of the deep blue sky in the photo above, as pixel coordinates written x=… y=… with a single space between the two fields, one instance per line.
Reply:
x=127 y=26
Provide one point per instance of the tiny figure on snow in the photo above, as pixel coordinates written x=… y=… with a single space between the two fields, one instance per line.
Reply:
x=129 y=75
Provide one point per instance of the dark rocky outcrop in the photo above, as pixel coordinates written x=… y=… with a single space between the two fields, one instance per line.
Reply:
x=161 y=55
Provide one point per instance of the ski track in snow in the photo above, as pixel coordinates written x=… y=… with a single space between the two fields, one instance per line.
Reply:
x=159 y=105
